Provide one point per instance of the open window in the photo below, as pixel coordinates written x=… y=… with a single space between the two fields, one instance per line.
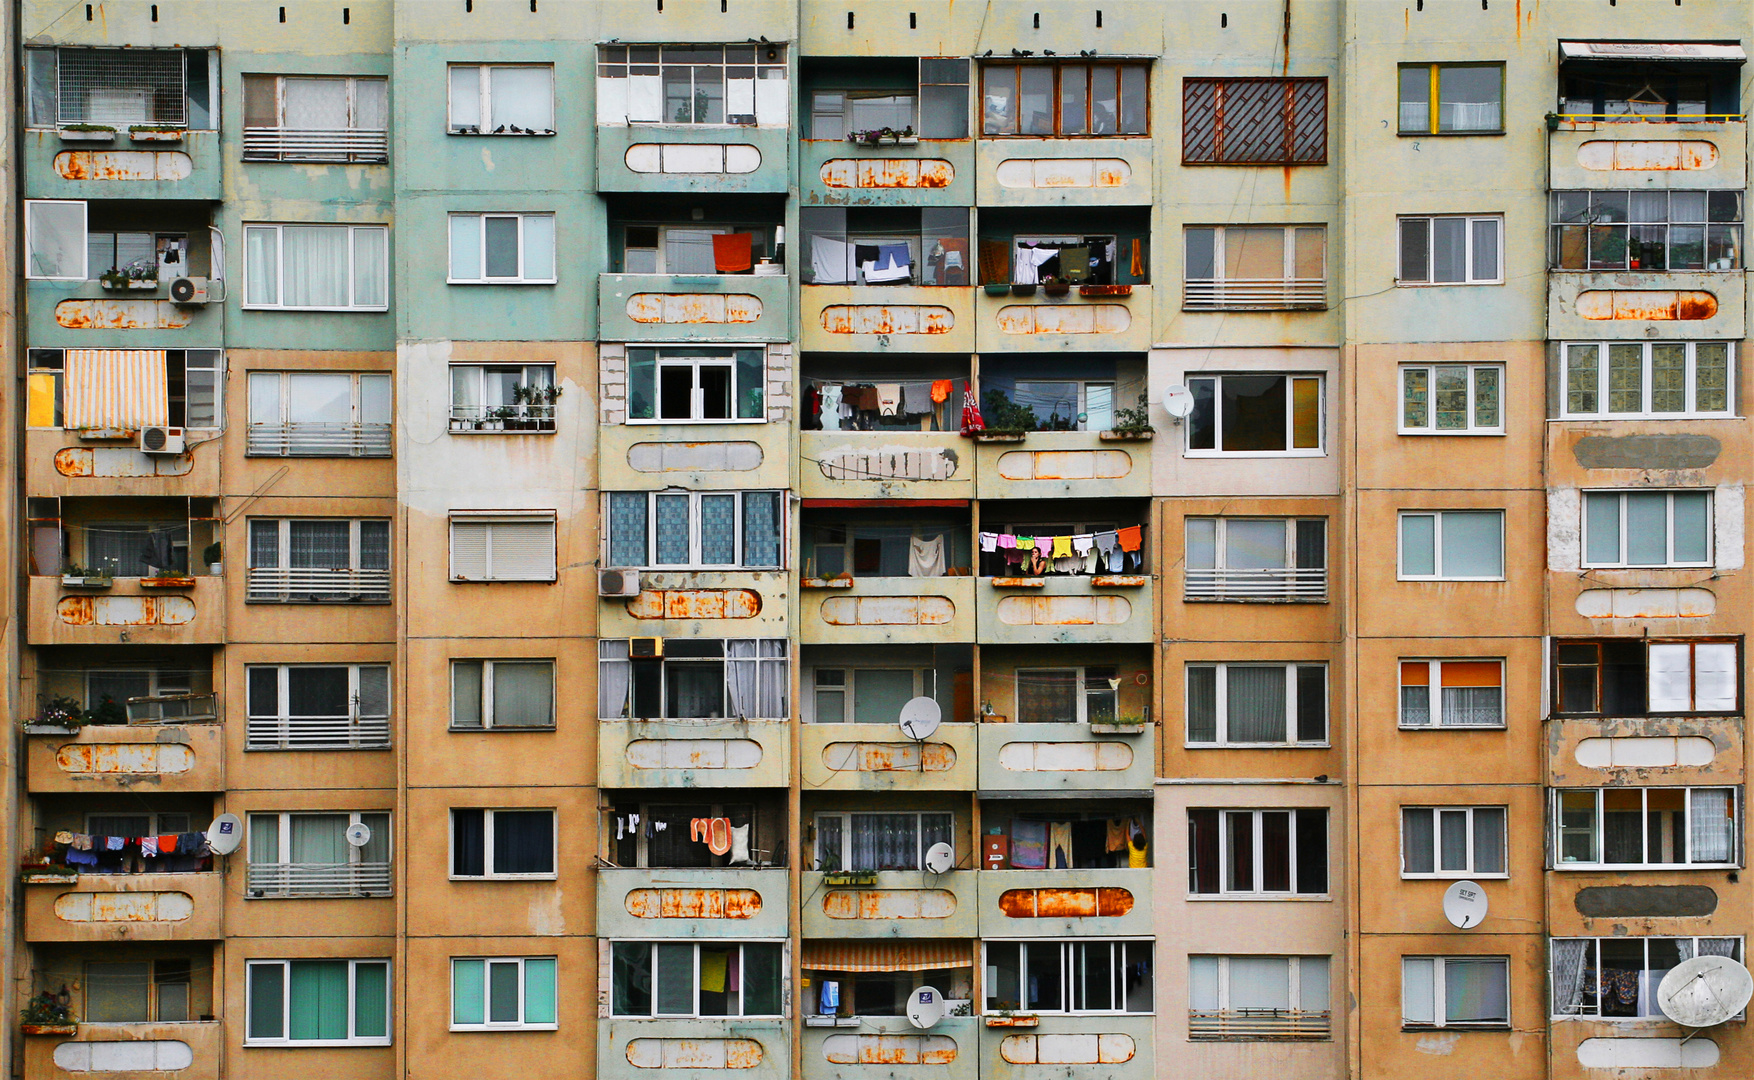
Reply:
x=693 y=679
x=719 y=384
x=316 y=118
x=927 y=95
x=1645 y=677
x=1650 y=81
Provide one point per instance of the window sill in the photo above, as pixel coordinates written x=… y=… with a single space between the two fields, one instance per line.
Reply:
x=334 y=310
x=503 y=581
x=1056 y=137
x=502 y=281
x=1448 y=134
x=1444 y=284
x=1258 y=746
x=508 y=1029
x=1452 y=434
x=1254 y=454
x=501 y=431
x=506 y=877
x=692 y=423
x=1486 y=580
x=1678 y=567
x=1598 y=418
x=550 y=729
x=1459 y=876
x=502 y=135
x=1417 y=1028
x=313 y=1044
x=1271 y=898
x=1621 y=868
x=1254 y=600
x=1451 y=727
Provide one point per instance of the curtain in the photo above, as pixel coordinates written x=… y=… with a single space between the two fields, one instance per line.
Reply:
x=267 y=1000
x=1260 y=982
x=265 y=543
x=466 y=392
x=314 y=266
x=829 y=844
x=264 y=839
x=117 y=993
x=468 y=991
x=468 y=840
x=539 y=991
x=1488 y=840
x=371 y=267
x=1256 y=704
x=1569 y=961
x=374 y=691
x=614 y=679
x=262 y=266
x=374 y=545
x=1712 y=826
x=318 y=996
x=521 y=96
x=523 y=694
x=1203 y=983
x=1417 y=841
x=1623 y=842
x=523 y=842
x=371 y=1000
x=1202 y=704
x=776 y=682
x=1253 y=545
x=321 y=545
x=1047 y=695
x=371 y=105
x=319 y=838
x=1471 y=706
x=377 y=849
x=315 y=104
x=316 y=691
x=695 y=690
x=1476 y=991
x=885 y=842
x=761 y=528
x=116 y=388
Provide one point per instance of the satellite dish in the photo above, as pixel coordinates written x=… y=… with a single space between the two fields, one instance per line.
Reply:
x=1704 y=991
x=1464 y=905
x=920 y=717
x=225 y=834
x=1178 y=401
x=925 y=1007
x=940 y=857
x=359 y=834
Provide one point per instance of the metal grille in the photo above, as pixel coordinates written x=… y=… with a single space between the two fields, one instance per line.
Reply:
x=353 y=732
x=289 y=144
x=122 y=87
x=1249 y=1025
x=314 y=439
x=1255 y=122
x=274 y=585
x=1302 y=584
x=1248 y=294
x=319 y=879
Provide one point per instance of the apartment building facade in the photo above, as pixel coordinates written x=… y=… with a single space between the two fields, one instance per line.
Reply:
x=1105 y=511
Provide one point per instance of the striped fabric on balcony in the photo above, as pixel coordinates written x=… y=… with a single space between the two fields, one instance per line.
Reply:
x=886 y=955
x=116 y=388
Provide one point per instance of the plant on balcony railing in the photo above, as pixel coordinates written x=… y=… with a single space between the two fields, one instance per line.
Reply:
x=49 y=1013
x=130 y=277
x=883 y=136
x=58 y=715
x=1005 y=417
x=532 y=409
x=76 y=576
x=1133 y=423
x=1053 y=285
x=154 y=133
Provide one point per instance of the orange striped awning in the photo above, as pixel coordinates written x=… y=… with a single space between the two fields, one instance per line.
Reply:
x=886 y=955
x=116 y=388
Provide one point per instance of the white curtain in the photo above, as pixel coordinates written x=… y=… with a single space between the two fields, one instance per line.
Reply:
x=743 y=679
x=885 y=842
x=316 y=104
x=319 y=838
x=371 y=274
x=371 y=105
x=262 y=266
x=521 y=96
x=315 y=263
x=321 y=545
x=523 y=694
x=1260 y=982
x=1569 y=955
x=1471 y=706
x=614 y=680
x=1256 y=705
x=1712 y=826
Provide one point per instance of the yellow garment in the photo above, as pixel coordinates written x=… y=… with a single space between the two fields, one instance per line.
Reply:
x=1062 y=547
x=712 y=971
x=1138 y=848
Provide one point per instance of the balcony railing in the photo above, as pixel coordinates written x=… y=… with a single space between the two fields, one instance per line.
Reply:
x=1283 y=584
x=270 y=584
x=1247 y=294
x=294 y=144
x=318 y=733
x=1247 y=1025
x=319 y=879
x=502 y=418
x=319 y=440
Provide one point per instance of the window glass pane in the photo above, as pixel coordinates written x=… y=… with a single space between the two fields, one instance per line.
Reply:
x=1418 y=545
x=1203 y=983
x=319 y=399
x=501 y=244
x=1452 y=828
x=523 y=842
x=1312 y=703
x=675 y=970
x=317 y=994
x=1485 y=253
x=117 y=993
x=1468 y=98
x=1486 y=398
x=1415 y=99
x=1202 y=547
x=1313 y=977
x=1254 y=254
x=673 y=539
x=1602 y=526
x=1626 y=378
x=999 y=100
x=371 y=1003
x=56 y=233
x=1200 y=263
x=521 y=98
x=539 y=247
x=1260 y=982
x=1254 y=544
x=1135 y=100
x=1449 y=242
x=1075 y=101
x=1202 y=704
x=631 y=978
x=1417 y=841
x=1044 y=978
x=1036 y=101
x=267 y=1001
x=1306 y=414
x=627 y=528
x=1253 y=410
x=1582 y=376
x=1418 y=989
x=1256 y=698
x=502 y=992
x=1647 y=528
x=879 y=694
x=750 y=388
x=718 y=529
x=540 y=991
x=1415 y=397
x=1416 y=249
x=261 y=266
x=1473 y=544
x=1692 y=526
x=761 y=528
x=1047 y=695
x=315 y=104
x=1488 y=840
x=468 y=991
x=316 y=266
x=1104 y=94
x=1711 y=361
x=523 y=694
x=1475 y=991
x=761 y=979
x=465 y=97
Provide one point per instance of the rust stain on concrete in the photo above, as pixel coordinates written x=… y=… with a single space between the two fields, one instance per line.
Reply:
x=887 y=319
x=1065 y=903
x=693 y=903
x=100 y=313
x=123 y=165
x=695 y=604
x=1651 y=305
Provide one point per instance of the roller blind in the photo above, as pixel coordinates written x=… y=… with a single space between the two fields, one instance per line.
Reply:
x=503 y=549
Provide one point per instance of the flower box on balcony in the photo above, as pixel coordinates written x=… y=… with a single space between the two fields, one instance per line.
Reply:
x=1013 y=1021
x=50 y=729
x=1117 y=729
x=86 y=133
x=87 y=581
x=129 y=284
x=169 y=581
x=1090 y=291
x=49 y=875
x=51 y=1029
x=1119 y=581
x=864 y=878
x=1023 y=290
x=997 y=288
x=1129 y=435
x=155 y=134
x=1019 y=582
x=999 y=436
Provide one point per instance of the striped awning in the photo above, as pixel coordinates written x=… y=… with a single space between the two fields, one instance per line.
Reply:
x=886 y=955
x=115 y=388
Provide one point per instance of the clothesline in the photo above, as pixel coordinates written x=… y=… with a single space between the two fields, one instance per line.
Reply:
x=86 y=849
x=1113 y=549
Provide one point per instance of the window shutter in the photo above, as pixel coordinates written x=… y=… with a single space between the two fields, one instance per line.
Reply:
x=1670 y=682
x=469 y=550
x=521 y=550
x=1714 y=677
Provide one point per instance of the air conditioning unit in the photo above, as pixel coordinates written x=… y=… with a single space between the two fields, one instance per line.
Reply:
x=645 y=648
x=192 y=290
x=617 y=581
x=162 y=440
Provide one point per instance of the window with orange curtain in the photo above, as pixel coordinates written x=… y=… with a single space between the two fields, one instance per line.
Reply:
x=1452 y=693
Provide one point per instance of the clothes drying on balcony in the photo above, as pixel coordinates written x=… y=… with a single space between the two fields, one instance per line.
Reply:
x=733 y=252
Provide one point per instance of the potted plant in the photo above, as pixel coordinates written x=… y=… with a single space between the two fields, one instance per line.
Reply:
x=1006 y=421
x=998 y=288
x=60 y=715
x=1125 y=724
x=1552 y=121
x=210 y=556
x=1023 y=289
x=86 y=132
x=550 y=395
x=80 y=577
x=130 y=277
x=1132 y=424
x=1054 y=285
x=155 y=133
x=49 y=1014
x=883 y=135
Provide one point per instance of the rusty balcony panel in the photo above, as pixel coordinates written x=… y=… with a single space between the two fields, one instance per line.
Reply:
x=188 y=169
x=1655 y=751
x=726 y=1048
x=142 y=758
x=1637 y=305
x=1072 y=1048
x=1066 y=609
x=693 y=753
x=85 y=315
x=681 y=309
x=705 y=457
x=186 y=1051
x=897 y=610
x=887 y=318
x=1071 y=323
x=1064 y=464
x=933 y=172
x=697 y=158
x=127 y=907
x=1065 y=758
x=188 y=616
x=886 y=1047
x=903 y=904
x=875 y=757
x=57 y=463
x=1586 y=154
x=725 y=902
x=709 y=603
x=1065 y=903
x=1065 y=172
x=886 y=465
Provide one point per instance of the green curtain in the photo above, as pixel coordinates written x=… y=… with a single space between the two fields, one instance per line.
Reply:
x=319 y=1000
x=468 y=990
x=502 y=992
x=539 y=991
x=371 y=1000
x=267 y=1000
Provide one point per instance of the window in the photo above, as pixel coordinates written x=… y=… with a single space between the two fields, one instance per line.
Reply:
x=159 y=255
x=1617 y=978
x=1256 y=559
x=318 y=1003
x=138 y=992
x=1645 y=230
x=864 y=842
x=722 y=385
x=1256 y=414
x=519 y=548
x=502 y=843
x=319 y=414
x=679 y=529
x=1258 y=853
x=502 y=249
x=1654 y=82
x=120 y=388
x=1452 y=545
x=1451 y=250
x=1245 y=998
x=1646 y=378
x=1069 y=976
x=120 y=88
x=502 y=694
x=312 y=855
x=1455 y=992
x=1452 y=99
x=692 y=84
x=689 y=979
x=317 y=267
x=1452 y=693
x=150 y=696
x=1065 y=99
x=1255 y=268
x=1254 y=121
x=1068 y=695
x=313 y=560
x=319 y=707
x=504 y=993
x=1639 y=676
x=55 y=240
x=503 y=397
x=868 y=695
x=693 y=679
x=1635 y=827
x=1647 y=528
x=939 y=110
x=1257 y=704
x=501 y=99
x=316 y=118
x=1452 y=841
x=1452 y=399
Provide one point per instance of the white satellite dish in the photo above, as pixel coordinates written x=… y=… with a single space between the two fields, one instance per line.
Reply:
x=1464 y=905
x=920 y=717
x=925 y=1007
x=1704 y=991
x=225 y=834
x=1178 y=402
x=940 y=857
x=359 y=834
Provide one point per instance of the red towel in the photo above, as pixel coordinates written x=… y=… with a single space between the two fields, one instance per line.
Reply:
x=1129 y=538
x=733 y=252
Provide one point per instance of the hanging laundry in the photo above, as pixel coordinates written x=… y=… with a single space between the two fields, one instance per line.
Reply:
x=940 y=390
x=733 y=252
x=77 y=857
x=189 y=843
x=1043 y=545
x=831 y=407
x=1075 y=263
x=916 y=398
x=1129 y=537
x=1116 y=838
x=1007 y=541
x=1136 y=266
x=989 y=542
x=739 y=846
x=698 y=829
x=82 y=842
x=828 y=260
x=862 y=397
x=632 y=822
x=888 y=398
x=1029 y=260
x=1029 y=845
x=661 y=826
x=830 y=995
x=1060 y=844
x=620 y=824
x=971 y=414
x=64 y=837
x=1062 y=547
x=925 y=556
x=712 y=971
x=1083 y=542
x=149 y=846
x=115 y=843
x=718 y=835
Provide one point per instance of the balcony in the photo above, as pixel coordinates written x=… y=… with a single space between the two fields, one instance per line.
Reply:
x=931 y=172
x=889 y=610
x=325 y=146
x=1645 y=155
x=189 y=611
x=189 y=1051
x=698 y=456
x=1066 y=758
x=896 y=904
x=715 y=754
x=709 y=159
x=354 y=732
x=1072 y=172
x=318 y=440
x=729 y=902
x=126 y=907
x=1067 y=609
x=120 y=168
x=136 y=758
x=298 y=880
x=275 y=585
x=85 y=315
x=887 y=318
x=758 y=1049
x=1074 y=1048
x=1675 y=305
x=1658 y=750
x=1255 y=294
x=681 y=309
x=1065 y=903
x=885 y=465
x=732 y=603
x=1072 y=323
x=1276 y=584
x=877 y=757
x=59 y=463
x=1064 y=464
x=891 y=1048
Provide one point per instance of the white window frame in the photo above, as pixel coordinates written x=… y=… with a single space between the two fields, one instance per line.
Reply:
x=355 y=855
x=1654 y=705
x=614 y=106
x=1247 y=1029
x=1670 y=561
x=1288 y=292
x=1593 y=962
x=1469 y=221
x=1598 y=826
x=762 y=661
x=845 y=818
x=1081 y=675
x=1647 y=390
x=695 y=1013
x=521 y=1024
x=512 y=518
x=1434 y=695
x=725 y=357
x=352 y=993
x=522 y=277
x=283 y=697
x=353 y=235
x=352 y=81
x=485 y=82
x=488 y=873
x=1071 y=971
x=283 y=546
x=1471 y=870
x=486 y=709
x=1221 y=582
x=1221 y=701
x=925 y=685
x=1437 y=517
x=695 y=519
x=355 y=441
x=1216 y=450
x=1258 y=848
x=84 y=246
x=1430 y=427
x=1439 y=1006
